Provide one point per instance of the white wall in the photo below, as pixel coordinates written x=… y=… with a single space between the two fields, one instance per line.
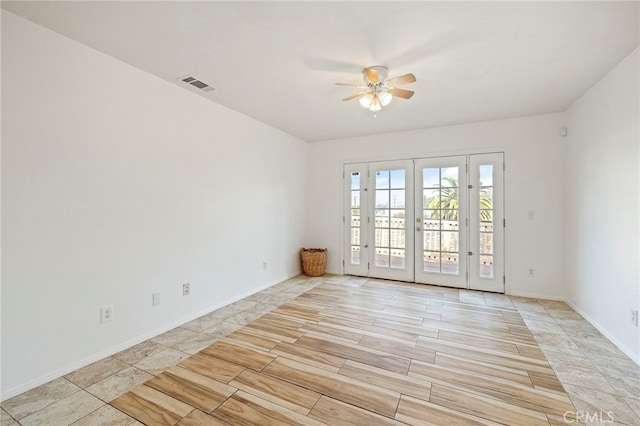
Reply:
x=116 y=185
x=602 y=204
x=534 y=180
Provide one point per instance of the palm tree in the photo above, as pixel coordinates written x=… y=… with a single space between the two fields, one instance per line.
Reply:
x=446 y=206
x=486 y=204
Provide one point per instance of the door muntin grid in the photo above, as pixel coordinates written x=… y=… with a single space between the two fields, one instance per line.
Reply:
x=354 y=220
x=485 y=217
x=389 y=219
x=441 y=220
x=380 y=215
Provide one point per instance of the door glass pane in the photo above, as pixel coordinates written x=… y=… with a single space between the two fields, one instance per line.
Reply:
x=382 y=257
x=355 y=236
x=486 y=217
x=449 y=215
x=449 y=176
x=431 y=240
x=355 y=255
x=485 y=212
x=397 y=178
x=430 y=197
x=486 y=243
x=397 y=219
x=397 y=258
x=486 y=197
x=355 y=181
x=382 y=179
x=430 y=219
x=389 y=221
x=486 y=226
x=397 y=199
x=431 y=261
x=355 y=199
x=382 y=199
x=431 y=177
x=397 y=238
x=382 y=237
x=450 y=225
x=486 y=175
x=441 y=219
x=449 y=241
x=450 y=263
x=355 y=218
x=486 y=266
x=383 y=214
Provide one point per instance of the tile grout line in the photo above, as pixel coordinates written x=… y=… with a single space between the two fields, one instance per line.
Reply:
x=548 y=313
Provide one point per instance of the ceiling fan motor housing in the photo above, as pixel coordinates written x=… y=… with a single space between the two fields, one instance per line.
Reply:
x=382 y=71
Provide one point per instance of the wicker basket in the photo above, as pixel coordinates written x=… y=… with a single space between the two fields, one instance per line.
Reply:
x=314 y=261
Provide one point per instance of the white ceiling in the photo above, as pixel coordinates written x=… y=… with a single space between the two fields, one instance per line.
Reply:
x=278 y=61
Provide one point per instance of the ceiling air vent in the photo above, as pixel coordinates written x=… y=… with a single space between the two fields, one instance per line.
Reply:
x=197 y=83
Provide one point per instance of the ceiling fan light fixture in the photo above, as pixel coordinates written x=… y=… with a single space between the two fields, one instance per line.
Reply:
x=385 y=98
x=375 y=101
x=379 y=91
x=366 y=100
x=376 y=104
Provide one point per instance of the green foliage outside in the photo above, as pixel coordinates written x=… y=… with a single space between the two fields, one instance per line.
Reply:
x=446 y=206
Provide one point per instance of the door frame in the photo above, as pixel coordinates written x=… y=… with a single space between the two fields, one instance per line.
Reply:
x=398 y=274
x=460 y=279
x=496 y=282
x=468 y=153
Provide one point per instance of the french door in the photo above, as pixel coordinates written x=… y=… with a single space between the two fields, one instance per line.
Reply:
x=441 y=239
x=430 y=220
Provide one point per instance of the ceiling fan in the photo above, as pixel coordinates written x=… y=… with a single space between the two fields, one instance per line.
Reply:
x=378 y=90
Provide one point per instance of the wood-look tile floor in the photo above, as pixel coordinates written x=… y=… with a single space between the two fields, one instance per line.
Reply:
x=372 y=353
x=351 y=351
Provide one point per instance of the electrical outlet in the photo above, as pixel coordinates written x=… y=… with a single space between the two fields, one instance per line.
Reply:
x=186 y=289
x=156 y=299
x=264 y=266
x=106 y=313
x=531 y=215
x=531 y=272
x=634 y=317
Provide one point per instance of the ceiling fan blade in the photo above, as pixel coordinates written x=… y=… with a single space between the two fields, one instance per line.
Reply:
x=401 y=93
x=399 y=81
x=359 y=86
x=357 y=95
x=372 y=75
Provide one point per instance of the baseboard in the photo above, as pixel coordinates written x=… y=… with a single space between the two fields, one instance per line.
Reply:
x=534 y=296
x=132 y=342
x=628 y=352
